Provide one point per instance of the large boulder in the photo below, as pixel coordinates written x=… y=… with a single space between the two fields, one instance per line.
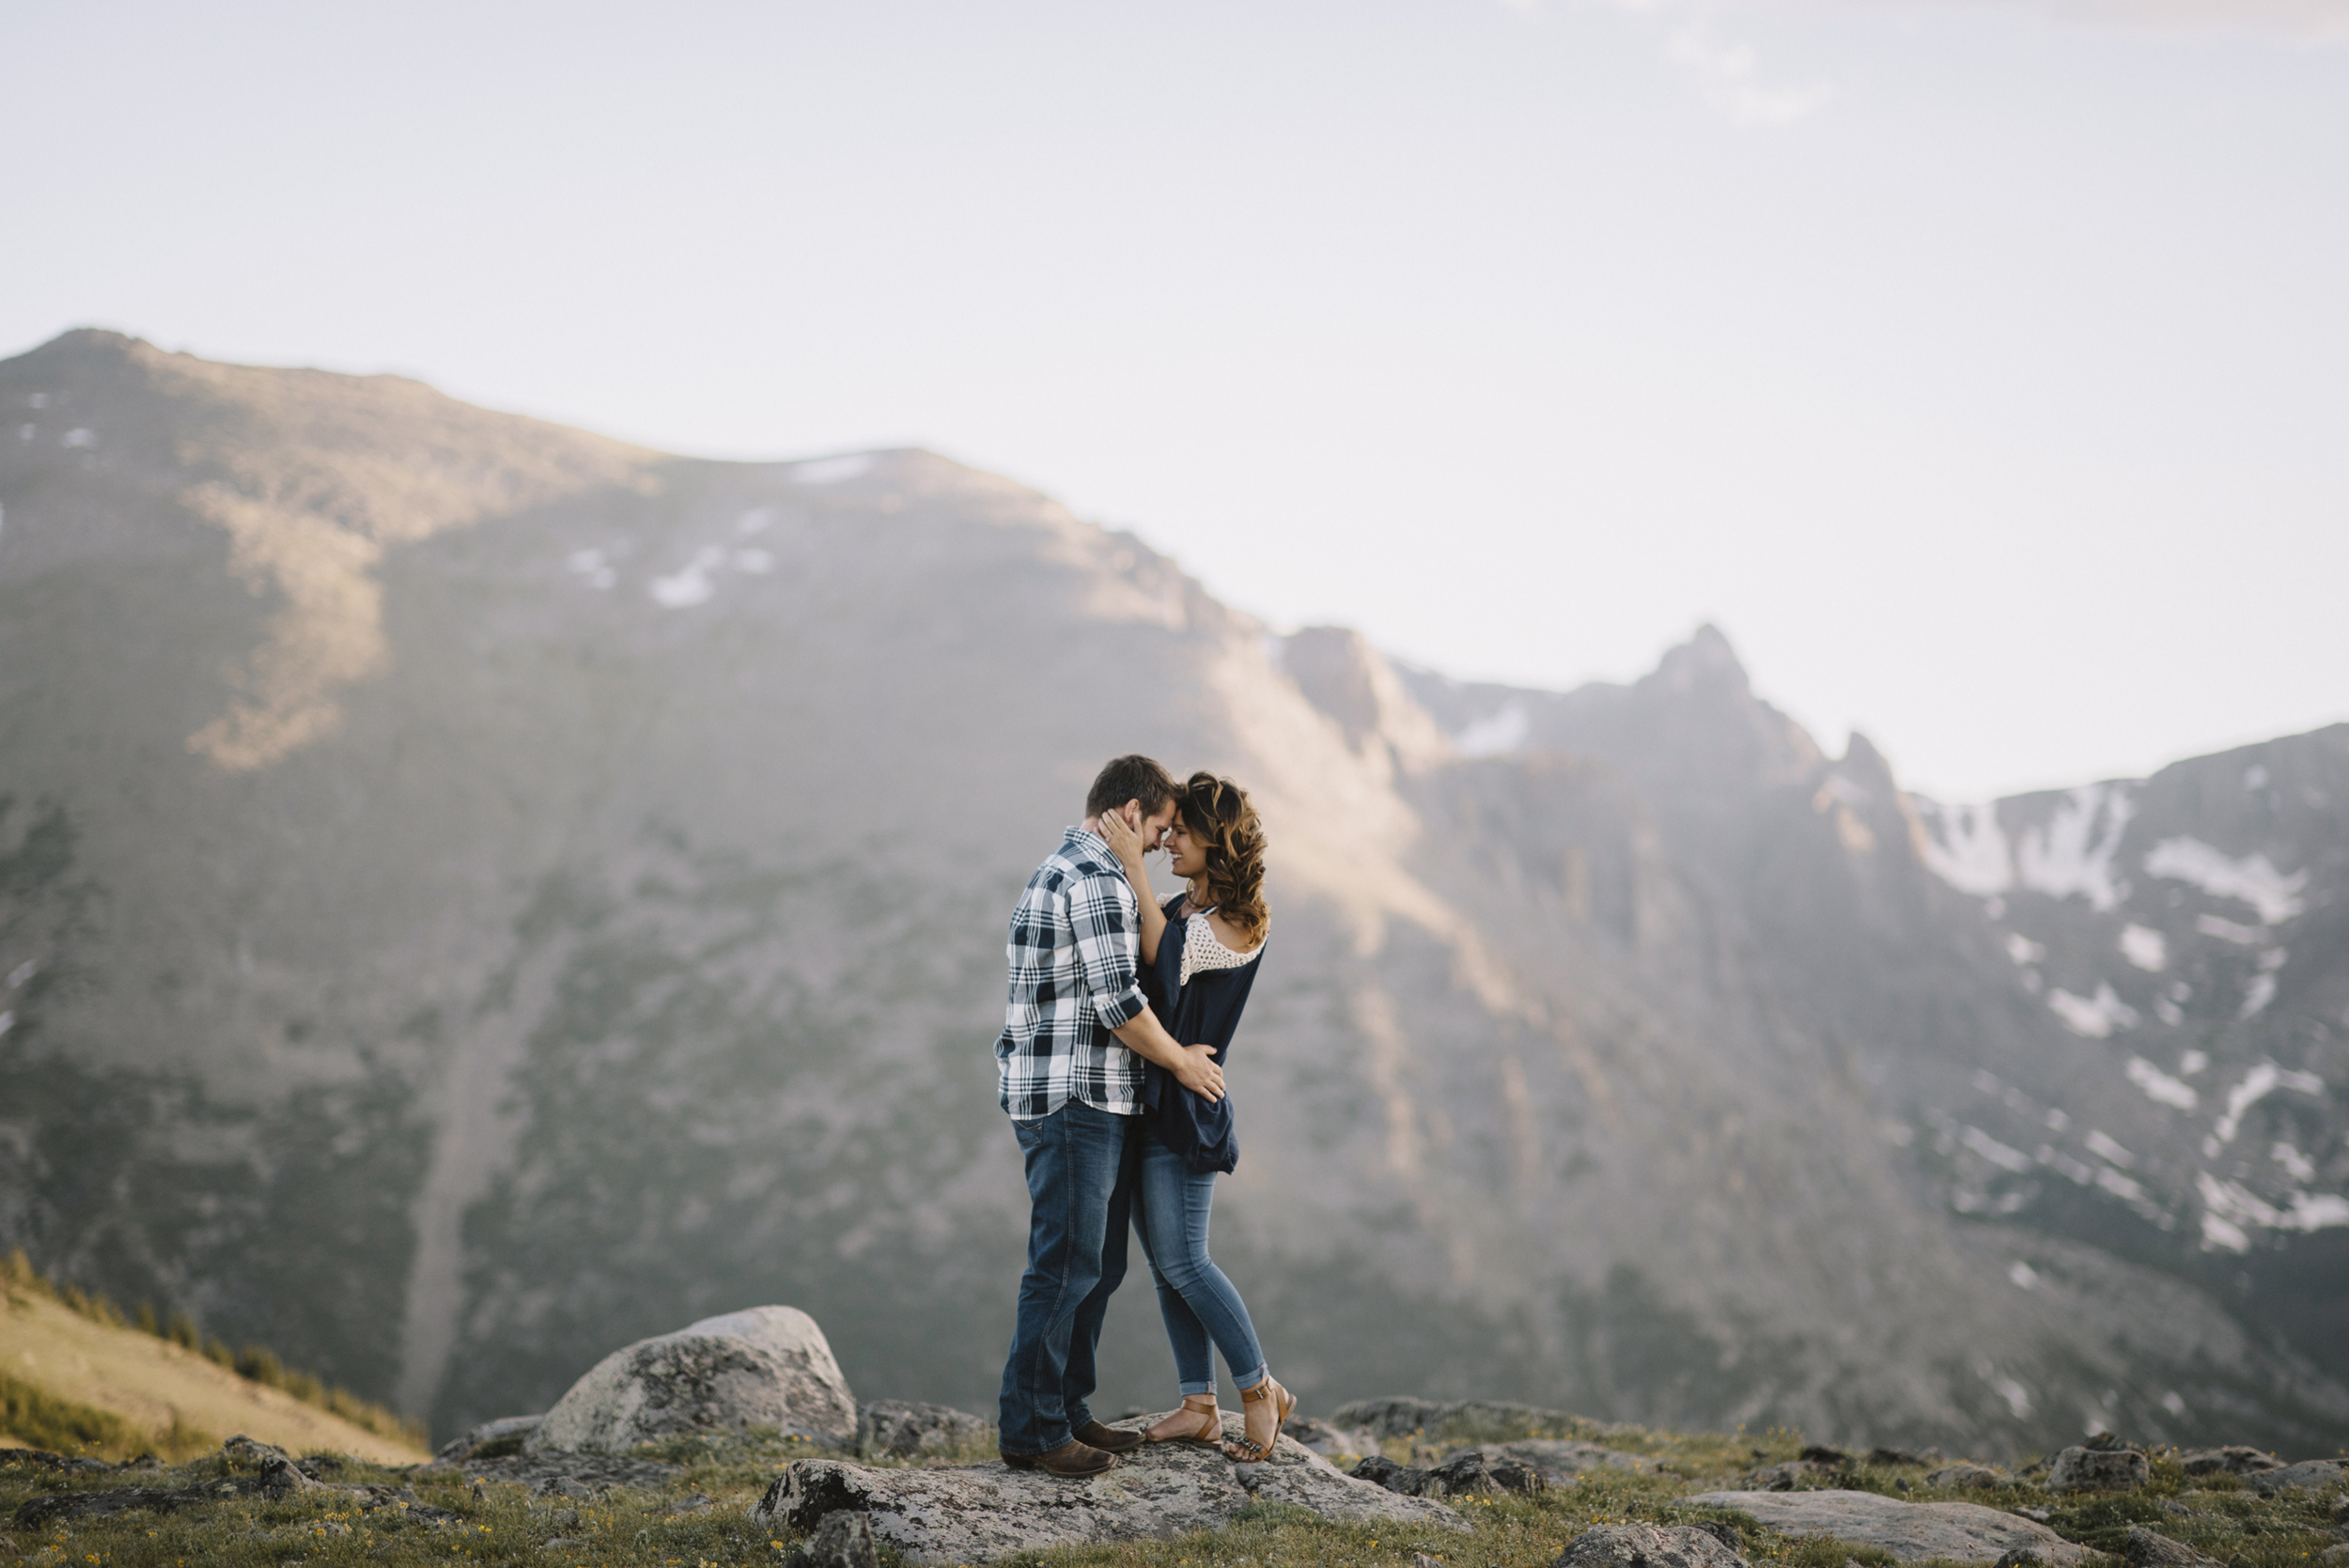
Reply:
x=1911 y=1531
x=971 y=1513
x=2095 y=1469
x=764 y=1367
x=1651 y=1546
x=2237 y=1460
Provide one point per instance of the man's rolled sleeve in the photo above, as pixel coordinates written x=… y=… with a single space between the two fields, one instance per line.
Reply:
x=1103 y=914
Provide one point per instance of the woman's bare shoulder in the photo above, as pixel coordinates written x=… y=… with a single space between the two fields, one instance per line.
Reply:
x=1231 y=936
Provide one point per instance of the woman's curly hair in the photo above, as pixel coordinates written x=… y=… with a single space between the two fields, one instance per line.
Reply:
x=1221 y=818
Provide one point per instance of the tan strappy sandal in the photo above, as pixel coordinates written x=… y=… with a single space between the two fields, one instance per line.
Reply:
x=1181 y=1428
x=1246 y=1450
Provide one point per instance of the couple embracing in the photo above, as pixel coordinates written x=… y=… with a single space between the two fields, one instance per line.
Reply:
x=1110 y=1067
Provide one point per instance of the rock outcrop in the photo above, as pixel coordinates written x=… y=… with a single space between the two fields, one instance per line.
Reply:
x=763 y=1366
x=2095 y=1469
x=1967 y=1474
x=2145 y=1548
x=2307 y=1475
x=978 y=1512
x=1911 y=1531
x=1650 y=1546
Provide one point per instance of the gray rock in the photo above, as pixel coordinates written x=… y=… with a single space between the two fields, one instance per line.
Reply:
x=1796 y=1475
x=765 y=1367
x=1649 y=1547
x=844 y=1539
x=247 y=1451
x=2090 y=1469
x=1469 y=1474
x=2308 y=1474
x=1402 y=1480
x=1967 y=1474
x=2145 y=1548
x=975 y=1513
x=2334 y=1557
x=489 y=1439
x=1911 y=1531
x=559 y=1543
x=1887 y=1457
x=2229 y=1461
x=899 y=1429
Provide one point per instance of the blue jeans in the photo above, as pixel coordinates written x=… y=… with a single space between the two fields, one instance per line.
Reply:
x=1196 y=1300
x=1081 y=1183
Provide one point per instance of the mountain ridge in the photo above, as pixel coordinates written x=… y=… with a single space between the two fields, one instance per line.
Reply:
x=620 y=941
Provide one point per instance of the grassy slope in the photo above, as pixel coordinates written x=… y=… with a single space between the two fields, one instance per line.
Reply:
x=505 y=1528
x=156 y=1389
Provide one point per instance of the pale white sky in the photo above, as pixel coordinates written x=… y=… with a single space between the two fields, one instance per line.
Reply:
x=1981 y=367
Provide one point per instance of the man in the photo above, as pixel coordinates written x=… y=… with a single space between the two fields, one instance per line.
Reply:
x=1069 y=1062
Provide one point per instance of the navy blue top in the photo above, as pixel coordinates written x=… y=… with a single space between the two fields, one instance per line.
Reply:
x=1204 y=1013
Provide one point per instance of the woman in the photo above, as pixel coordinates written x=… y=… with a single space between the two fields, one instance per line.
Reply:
x=1199 y=954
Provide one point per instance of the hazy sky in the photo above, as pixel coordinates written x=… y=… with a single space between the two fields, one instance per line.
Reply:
x=1981 y=369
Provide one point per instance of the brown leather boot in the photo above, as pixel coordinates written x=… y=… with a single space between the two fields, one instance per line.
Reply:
x=1072 y=1458
x=1108 y=1438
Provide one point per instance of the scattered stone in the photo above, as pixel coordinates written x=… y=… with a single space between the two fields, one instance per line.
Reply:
x=1967 y=1475
x=2145 y=1548
x=844 y=1540
x=900 y=1429
x=1796 y=1475
x=2308 y=1474
x=1420 y=1560
x=1332 y=1443
x=974 y=1514
x=558 y=1543
x=563 y=1486
x=2334 y=1557
x=2093 y=1469
x=44 y=1459
x=1648 y=1547
x=2229 y=1461
x=1819 y=1453
x=246 y=1449
x=1884 y=1457
x=1911 y=1531
x=1402 y=1480
x=765 y=1367
x=1476 y=1471
x=489 y=1439
x=282 y=1478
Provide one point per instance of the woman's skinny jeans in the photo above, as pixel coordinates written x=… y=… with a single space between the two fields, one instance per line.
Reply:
x=1171 y=1203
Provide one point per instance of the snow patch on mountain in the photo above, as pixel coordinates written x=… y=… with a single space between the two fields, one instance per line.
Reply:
x=2159 y=1086
x=2073 y=852
x=1966 y=847
x=2096 y=1016
x=2259 y=1082
x=2251 y=879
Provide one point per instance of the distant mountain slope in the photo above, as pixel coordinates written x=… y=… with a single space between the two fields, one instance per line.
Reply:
x=547 y=891
x=157 y=1386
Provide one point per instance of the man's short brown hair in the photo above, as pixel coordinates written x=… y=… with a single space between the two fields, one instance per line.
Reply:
x=1132 y=778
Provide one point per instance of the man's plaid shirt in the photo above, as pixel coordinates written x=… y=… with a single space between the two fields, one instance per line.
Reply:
x=1075 y=940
